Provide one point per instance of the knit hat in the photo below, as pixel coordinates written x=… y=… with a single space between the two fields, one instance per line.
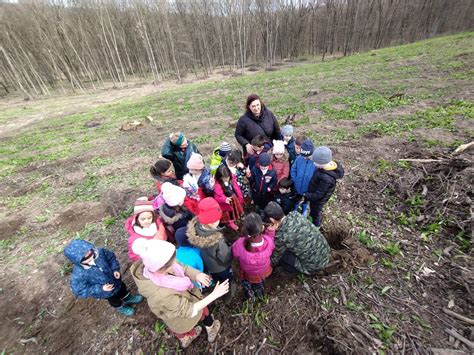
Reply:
x=322 y=155
x=287 y=130
x=172 y=194
x=278 y=147
x=142 y=205
x=177 y=138
x=155 y=253
x=307 y=148
x=181 y=237
x=195 y=162
x=264 y=159
x=224 y=149
x=209 y=211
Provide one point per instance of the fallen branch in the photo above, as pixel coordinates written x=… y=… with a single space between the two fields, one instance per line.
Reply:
x=367 y=335
x=458 y=316
x=462 y=148
x=261 y=346
x=422 y=160
x=439 y=351
x=459 y=337
x=233 y=341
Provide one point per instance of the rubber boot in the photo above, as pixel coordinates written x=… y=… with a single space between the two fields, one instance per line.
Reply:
x=132 y=299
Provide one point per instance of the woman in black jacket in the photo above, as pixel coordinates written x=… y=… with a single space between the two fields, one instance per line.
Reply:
x=256 y=120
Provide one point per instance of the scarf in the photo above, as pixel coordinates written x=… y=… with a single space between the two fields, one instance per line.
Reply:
x=178 y=282
x=146 y=232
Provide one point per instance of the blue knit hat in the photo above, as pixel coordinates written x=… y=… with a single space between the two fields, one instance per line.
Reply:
x=181 y=237
x=322 y=155
x=287 y=130
x=307 y=148
x=264 y=159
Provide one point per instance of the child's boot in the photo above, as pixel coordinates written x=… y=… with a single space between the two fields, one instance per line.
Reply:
x=188 y=339
x=126 y=310
x=233 y=226
x=213 y=330
x=132 y=299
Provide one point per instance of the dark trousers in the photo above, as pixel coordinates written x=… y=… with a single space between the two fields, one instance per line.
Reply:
x=116 y=300
x=252 y=290
x=316 y=212
x=288 y=261
x=227 y=274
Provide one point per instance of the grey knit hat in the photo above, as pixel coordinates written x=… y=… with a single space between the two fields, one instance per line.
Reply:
x=287 y=130
x=322 y=155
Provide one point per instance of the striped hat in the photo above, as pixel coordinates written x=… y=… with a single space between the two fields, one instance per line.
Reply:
x=142 y=205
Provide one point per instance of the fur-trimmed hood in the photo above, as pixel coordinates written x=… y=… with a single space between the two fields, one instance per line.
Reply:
x=167 y=219
x=197 y=238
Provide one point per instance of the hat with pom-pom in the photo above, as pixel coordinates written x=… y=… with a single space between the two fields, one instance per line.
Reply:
x=155 y=253
x=142 y=205
x=278 y=147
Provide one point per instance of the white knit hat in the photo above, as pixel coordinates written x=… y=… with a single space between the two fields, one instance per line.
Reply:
x=172 y=194
x=278 y=147
x=155 y=253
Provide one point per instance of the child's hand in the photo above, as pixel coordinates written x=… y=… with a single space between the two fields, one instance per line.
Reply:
x=221 y=289
x=108 y=287
x=228 y=200
x=203 y=279
x=248 y=173
x=117 y=274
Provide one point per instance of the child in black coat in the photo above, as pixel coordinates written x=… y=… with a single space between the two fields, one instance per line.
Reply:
x=285 y=196
x=262 y=179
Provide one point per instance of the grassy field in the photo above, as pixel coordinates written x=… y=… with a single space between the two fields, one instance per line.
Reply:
x=75 y=175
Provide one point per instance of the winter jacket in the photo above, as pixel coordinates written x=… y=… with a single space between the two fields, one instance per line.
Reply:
x=286 y=201
x=282 y=168
x=301 y=173
x=132 y=235
x=254 y=263
x=323 y=184
x=221 y=198
x=176 y=218
x=216 y=161
x=175 y=308
x=298 y=235
x=190 y=256
x=178 y=157
x=290 y=148
x=201 y=188
x=215 y=252
x=248 y=126
x=87 y=282
x=254 y=159
x=261 y=185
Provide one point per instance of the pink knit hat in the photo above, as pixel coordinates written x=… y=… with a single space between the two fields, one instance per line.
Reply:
x=142 y=205
x=195 y=162
x=155 y=253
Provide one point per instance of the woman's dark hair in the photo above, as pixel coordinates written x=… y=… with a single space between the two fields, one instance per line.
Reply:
x=235 y=156
x=285 y=183
x=169 y=262
x=160 y=167
x=222 y=172
x=137 y=222
x=251 y=98
x=252 y=227
x=273 y=210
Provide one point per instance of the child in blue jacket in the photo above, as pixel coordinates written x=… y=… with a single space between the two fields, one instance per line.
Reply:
x=302 y=171
x=96 y=274
x=186 y=253
x=262 y=179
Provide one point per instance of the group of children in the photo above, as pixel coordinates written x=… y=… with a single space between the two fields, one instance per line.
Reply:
x=183 y=225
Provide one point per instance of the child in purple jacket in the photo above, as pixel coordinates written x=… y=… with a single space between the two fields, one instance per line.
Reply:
x=253 y=251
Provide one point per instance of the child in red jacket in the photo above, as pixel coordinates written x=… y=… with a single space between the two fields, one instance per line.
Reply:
x=280 y=162
x=253 y=251
x=227 y=193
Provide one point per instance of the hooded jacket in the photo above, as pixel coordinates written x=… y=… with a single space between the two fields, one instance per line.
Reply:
x=301 y=173
x=175 y=308
x=323 y=184
x=87 y=281
x=298 y=235
x=248 y=126
x=282 y=168
x=178 y=157
x=256 y=263
x=221 y=198
x=132 y=235
x=215 y=252
x=176 y=219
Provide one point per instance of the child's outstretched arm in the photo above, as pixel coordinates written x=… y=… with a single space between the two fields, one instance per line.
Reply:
x=220 y=290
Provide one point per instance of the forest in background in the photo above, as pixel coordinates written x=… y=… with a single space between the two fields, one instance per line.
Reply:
x=78 y=44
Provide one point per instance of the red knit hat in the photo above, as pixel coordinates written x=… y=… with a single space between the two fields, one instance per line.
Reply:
x=209 y=211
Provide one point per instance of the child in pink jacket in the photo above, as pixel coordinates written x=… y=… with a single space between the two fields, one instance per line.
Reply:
x=253 y=251
x=227 y=193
